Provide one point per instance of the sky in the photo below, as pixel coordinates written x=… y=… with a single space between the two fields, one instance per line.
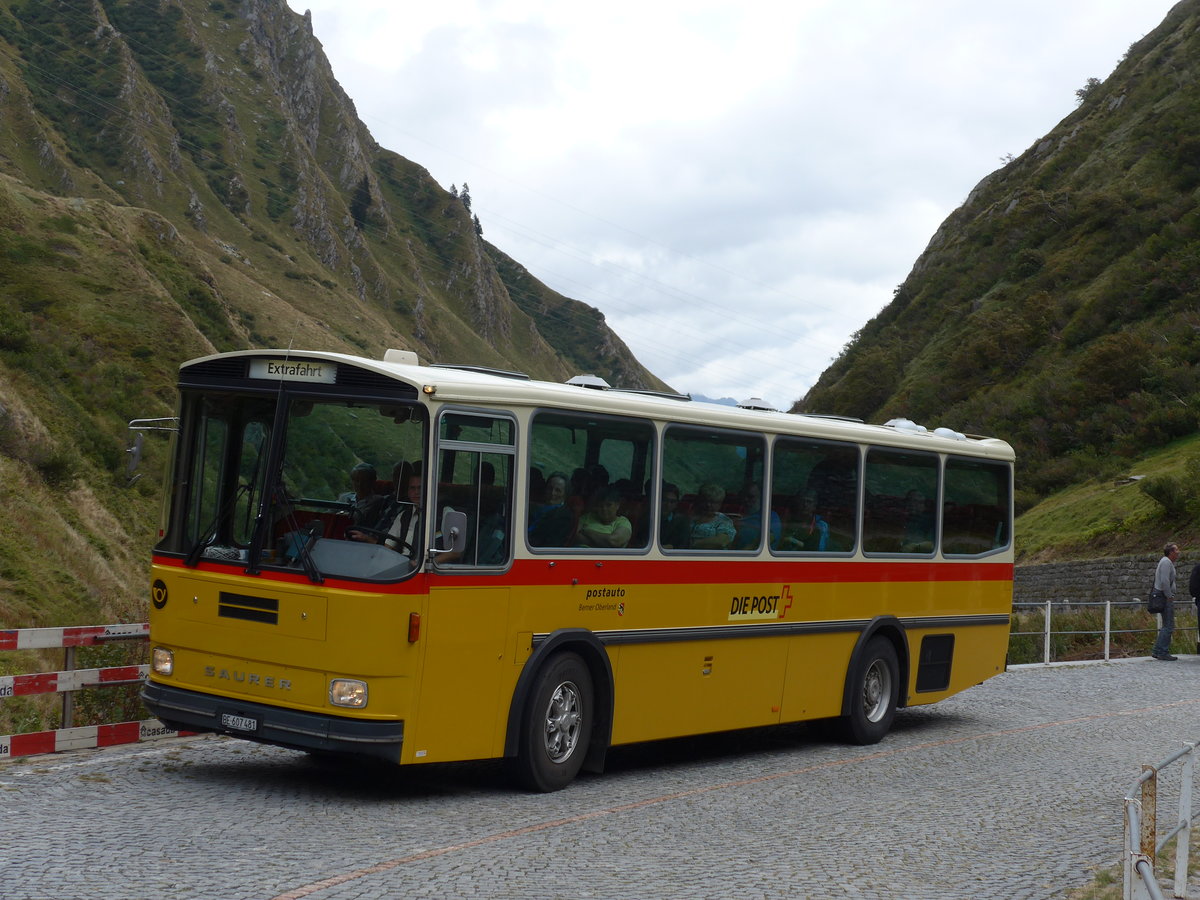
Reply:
x=738 y=186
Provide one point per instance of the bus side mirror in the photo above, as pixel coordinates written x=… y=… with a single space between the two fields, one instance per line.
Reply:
x=454 y=531
x=135 y=458
x=136 y=428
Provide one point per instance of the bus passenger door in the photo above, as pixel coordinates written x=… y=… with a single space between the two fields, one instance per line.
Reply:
x=462 y=709
x=465 y=685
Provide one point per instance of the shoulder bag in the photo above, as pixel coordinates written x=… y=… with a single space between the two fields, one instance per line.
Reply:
x=1157 y=601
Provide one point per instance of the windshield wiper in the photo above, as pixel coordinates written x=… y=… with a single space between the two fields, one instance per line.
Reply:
x=209 y=535
x=193 y=558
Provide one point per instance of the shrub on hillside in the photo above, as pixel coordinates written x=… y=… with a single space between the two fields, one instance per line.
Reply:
x=1178 y=495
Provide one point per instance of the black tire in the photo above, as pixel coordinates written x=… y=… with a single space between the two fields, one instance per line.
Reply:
x=556 y=725
x=874 y=692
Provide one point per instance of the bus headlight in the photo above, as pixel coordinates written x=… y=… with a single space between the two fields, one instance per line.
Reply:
x=162 y=661
x=348 y=692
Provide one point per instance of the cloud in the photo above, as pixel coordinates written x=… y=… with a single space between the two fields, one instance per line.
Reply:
x=738 y=187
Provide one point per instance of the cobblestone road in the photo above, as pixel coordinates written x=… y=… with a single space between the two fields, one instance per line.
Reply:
x=1011 y=790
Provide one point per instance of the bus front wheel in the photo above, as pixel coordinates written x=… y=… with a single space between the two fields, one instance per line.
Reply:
x=874 y=691
x=557 y=725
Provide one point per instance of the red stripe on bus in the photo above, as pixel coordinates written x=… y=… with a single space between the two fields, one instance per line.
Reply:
x=606 y=570
x=715 y=572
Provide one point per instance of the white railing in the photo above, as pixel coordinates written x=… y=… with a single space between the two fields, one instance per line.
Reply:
x=1185 y=618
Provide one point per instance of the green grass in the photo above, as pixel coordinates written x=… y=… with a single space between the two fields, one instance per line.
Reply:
x=1106 y=883
x=1110 y=516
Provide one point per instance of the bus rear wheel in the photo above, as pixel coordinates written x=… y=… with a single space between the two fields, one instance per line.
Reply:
x=557 y=725
x=874 y=692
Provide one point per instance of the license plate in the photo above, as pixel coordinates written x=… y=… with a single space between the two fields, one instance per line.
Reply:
x=238 y=723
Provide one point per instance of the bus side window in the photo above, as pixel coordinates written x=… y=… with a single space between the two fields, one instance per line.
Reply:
x=485 y=497
x=975 y=507
x=476 y=462
x=583 y=458
x=902 y=491
x=720 y=475
x=816 y=484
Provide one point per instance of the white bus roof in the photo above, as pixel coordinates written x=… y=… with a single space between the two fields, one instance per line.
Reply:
x=478 y=386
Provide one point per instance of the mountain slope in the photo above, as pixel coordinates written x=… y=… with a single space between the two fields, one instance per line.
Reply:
x=185 y=176
x=1058 y=306
x=226 y=119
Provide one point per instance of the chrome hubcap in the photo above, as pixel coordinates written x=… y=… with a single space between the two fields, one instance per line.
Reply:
x=877 y=691
x=564 y=719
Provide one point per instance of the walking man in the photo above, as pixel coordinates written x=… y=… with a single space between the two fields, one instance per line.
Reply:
x=1164 y=580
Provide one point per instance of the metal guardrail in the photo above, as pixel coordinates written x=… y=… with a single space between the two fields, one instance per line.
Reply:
x=70 y=680
x=1185 y=618
x=1142 y=843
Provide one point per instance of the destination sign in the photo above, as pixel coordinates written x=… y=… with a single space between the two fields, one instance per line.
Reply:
x=294 y=370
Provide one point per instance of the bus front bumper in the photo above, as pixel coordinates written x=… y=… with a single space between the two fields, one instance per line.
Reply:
x=185 y=710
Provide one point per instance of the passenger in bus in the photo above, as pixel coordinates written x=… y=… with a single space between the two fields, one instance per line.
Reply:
x=711 y=528
x=674 y=528
x=806 y=528
x=551 y=521
x=365 y=505
x=404 y=533
x=749 y=526
x=586 y=481
x=602 y=525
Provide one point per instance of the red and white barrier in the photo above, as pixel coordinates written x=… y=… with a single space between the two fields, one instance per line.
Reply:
x=71 y=636
x=87 y=737
x=74 y=680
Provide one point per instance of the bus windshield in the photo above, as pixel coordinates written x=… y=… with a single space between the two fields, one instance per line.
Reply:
x=299 y=482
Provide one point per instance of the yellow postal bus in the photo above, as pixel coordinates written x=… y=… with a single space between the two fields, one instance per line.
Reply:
x=436 y=563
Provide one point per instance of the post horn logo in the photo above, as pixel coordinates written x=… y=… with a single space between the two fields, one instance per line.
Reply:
x=158 y=594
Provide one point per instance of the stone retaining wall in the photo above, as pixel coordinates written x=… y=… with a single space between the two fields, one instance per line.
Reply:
x=1117 y=578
